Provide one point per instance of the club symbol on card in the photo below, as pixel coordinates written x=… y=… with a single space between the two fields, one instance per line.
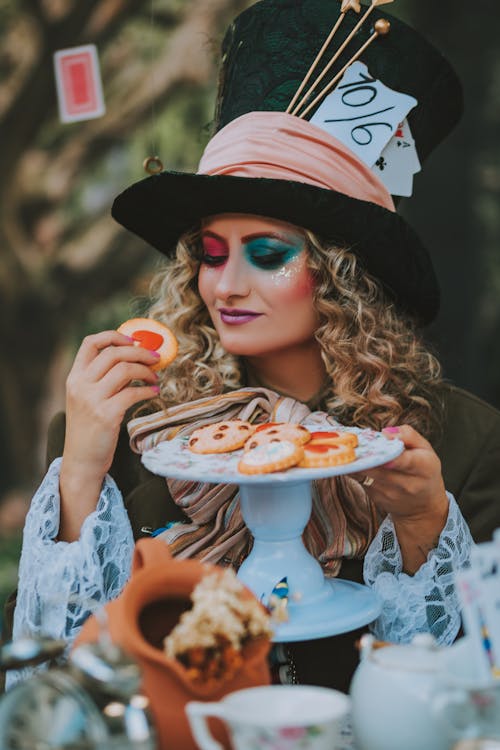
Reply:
x=398 y=162
x=78 y=82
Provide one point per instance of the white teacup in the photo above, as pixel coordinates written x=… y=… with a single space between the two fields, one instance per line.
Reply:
x=287 y=717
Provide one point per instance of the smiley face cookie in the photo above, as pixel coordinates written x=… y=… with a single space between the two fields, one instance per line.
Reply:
x=273 y=432
x=221 y=437
x=273 y=456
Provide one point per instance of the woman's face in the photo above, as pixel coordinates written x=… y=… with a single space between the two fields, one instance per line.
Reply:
x=255 y=282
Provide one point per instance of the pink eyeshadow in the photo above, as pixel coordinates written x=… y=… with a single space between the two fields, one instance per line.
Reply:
x=212 y=246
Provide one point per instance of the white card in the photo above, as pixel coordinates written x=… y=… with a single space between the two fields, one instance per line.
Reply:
x=469 y=592
x=398 y=162
x=486 y=558
x=362 y=112
x=78 y=82
x=406 y=142
x=479 y=590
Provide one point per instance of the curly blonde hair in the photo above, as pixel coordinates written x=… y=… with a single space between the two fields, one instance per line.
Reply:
x=202 y=367
x=379 y=370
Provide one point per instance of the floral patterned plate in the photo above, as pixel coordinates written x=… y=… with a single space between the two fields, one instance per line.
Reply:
x=174 y=459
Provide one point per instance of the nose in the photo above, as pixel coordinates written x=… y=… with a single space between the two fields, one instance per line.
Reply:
x=233 y=279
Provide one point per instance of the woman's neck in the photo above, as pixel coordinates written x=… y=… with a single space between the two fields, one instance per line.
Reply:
x=298 y=372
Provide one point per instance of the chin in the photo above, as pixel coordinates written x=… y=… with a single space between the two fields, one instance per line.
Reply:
x=244 y=351
x=241 y=348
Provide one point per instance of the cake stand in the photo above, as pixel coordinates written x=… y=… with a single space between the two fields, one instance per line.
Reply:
x=276 y=508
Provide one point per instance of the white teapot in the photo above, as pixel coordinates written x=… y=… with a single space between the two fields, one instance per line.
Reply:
x=393 y=695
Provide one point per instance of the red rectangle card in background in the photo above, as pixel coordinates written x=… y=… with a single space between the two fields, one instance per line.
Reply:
x=78 y=80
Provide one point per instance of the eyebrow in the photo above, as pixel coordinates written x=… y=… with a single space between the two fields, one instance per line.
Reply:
x=248 y=237
x=214 y=235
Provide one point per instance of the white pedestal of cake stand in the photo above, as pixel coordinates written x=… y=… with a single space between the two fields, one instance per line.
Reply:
x=276 y=507
x=277 y=514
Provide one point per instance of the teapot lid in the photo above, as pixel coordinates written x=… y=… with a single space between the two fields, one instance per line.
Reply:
x=421 y=655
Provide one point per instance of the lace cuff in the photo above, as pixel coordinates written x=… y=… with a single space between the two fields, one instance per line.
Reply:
x=61 y=583
x=425 y=602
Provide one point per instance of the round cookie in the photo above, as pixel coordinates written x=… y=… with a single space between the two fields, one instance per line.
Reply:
x=153 y=335
x=276 y=431
x=266 y=426
x=319 y=456
x=334 y=438
x=269 y=457
x=221 y=437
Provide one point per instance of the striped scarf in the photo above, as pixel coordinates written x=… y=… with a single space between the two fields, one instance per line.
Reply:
x=343 y=520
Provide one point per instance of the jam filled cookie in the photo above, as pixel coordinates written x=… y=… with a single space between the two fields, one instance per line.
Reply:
x=272 y=432
x=334 y=438
x=221 y=437
x=153 y=335
x=275 y=456
x=319 y=456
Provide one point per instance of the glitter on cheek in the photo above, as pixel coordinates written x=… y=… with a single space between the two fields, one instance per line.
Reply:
x=285 y=274
x=294 y=277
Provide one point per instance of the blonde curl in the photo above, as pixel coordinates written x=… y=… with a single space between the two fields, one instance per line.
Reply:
x=379 y=370
x=202 y=367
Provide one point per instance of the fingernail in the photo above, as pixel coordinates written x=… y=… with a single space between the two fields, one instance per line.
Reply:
x=156 y=388
x=392 y=430
x=155 y=354
x=129 y=338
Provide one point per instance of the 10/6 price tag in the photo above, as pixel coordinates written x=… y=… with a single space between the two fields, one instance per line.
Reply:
x=363 y=113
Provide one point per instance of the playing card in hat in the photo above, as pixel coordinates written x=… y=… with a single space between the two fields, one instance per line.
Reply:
x=398 y=162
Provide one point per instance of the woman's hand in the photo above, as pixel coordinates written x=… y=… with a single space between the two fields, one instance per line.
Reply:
x=411 y=489
x=98 y=393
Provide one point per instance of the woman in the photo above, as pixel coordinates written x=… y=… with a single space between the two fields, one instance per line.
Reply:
x=277 y=309
x=294 y=278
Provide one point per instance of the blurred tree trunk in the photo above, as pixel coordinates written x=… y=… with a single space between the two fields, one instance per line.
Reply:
x=57 y=261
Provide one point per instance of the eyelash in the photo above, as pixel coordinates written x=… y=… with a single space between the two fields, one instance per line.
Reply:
x=264 y=261
x=213 y=260
x=270 y=259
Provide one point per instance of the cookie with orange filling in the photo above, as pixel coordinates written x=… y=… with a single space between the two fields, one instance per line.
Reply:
x=318 y=456
x=334 y=437
x=152 y=335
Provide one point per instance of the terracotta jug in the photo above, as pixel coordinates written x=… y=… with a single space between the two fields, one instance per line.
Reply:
x=157 y=593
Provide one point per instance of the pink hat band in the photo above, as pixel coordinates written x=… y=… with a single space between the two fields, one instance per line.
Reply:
x=276 y=145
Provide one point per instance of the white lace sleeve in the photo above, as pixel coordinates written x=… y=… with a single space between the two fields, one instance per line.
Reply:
x=60 y=583
x=427 y=601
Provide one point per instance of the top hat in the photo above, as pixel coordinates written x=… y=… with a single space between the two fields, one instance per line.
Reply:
x=264 y=160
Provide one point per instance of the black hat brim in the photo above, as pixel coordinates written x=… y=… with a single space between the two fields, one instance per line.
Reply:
x=161 y=208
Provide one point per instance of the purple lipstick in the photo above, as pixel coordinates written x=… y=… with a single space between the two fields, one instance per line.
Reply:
x=235 y=317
